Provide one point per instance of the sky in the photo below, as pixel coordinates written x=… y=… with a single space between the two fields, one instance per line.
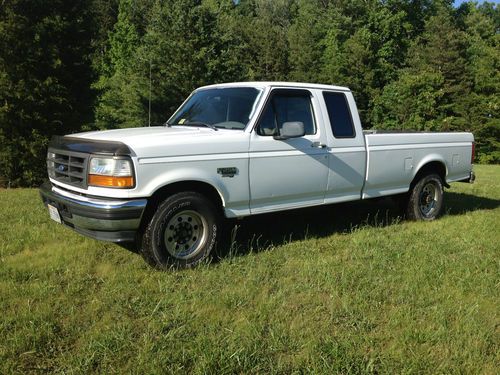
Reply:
x=458 y=2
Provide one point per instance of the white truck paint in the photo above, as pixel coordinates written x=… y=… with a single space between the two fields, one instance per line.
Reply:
x=273 y=174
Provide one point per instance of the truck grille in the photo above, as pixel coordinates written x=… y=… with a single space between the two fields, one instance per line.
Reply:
x=68 y=167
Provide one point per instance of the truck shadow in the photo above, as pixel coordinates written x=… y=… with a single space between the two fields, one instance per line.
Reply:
x=258 y=233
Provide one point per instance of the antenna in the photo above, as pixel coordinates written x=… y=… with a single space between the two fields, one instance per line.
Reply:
x=149 y=113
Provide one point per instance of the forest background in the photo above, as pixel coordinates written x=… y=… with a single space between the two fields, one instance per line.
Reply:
x=70 y=66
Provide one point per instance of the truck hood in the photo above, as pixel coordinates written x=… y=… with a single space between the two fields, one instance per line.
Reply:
x=160 y=141
x=135 y=135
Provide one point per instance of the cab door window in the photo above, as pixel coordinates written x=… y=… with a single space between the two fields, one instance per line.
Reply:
x=287 y=106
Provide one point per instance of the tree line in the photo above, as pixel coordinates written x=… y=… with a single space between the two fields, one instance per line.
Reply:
x=70 y=66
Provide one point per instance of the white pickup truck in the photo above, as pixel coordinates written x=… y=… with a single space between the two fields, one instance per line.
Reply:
x=238 y=149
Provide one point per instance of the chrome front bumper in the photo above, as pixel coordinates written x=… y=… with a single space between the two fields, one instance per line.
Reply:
x=115 y=220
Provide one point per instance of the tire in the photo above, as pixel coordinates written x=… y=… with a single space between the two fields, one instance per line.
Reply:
x=426 y=199
x=182 y=232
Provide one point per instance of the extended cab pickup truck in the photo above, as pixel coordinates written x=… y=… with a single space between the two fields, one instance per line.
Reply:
x=239 y=149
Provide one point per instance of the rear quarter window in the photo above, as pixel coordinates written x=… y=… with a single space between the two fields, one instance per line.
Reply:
x=339 y=114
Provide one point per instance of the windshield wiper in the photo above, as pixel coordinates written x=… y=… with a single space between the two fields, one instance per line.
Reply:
x=197 y=123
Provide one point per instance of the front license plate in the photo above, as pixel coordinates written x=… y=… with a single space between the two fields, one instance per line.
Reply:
x=54 y=214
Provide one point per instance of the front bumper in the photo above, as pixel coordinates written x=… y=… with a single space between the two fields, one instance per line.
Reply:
x=115 y=220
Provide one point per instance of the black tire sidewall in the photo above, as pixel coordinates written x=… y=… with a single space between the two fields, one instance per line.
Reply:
x=414 y=211
x=154 y=250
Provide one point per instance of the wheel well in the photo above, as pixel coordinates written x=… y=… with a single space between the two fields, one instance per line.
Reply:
x=159 y=195
x=432 y=167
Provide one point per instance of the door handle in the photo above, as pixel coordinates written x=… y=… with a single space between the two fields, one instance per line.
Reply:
x=318 y=145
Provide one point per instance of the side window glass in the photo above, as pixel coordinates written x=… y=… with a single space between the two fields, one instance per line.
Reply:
x=293 y=105
x=267 y=124
x=339 y=114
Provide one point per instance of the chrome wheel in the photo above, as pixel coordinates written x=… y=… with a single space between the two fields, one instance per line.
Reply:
x=425 y=201
x=428 y=199
x=185 y=234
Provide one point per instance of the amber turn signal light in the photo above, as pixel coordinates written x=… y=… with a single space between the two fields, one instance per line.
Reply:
x=110 y=181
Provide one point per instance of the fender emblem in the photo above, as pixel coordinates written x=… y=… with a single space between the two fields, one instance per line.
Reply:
x=227 y=171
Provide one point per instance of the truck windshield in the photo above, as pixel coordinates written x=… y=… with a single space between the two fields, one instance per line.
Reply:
x=226 y=108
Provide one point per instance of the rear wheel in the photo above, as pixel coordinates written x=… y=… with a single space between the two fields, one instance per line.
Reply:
x=182 y=232
x=426 y=198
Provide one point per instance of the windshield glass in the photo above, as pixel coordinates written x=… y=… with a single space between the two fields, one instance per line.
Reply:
x=227 y=108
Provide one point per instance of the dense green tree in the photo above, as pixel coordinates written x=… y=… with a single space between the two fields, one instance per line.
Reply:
x=361 y=44
x=184 y=44
x=265 y=34
x=119 y=103
x=452 y=80
x=98 y=64
x=104 y=15
x=411 y=102
x=305 y=37
x=480 y=110
x=45 y=77
x=187 y=45
x=426 y=92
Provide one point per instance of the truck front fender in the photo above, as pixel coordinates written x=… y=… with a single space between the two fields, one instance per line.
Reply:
x=173 y=176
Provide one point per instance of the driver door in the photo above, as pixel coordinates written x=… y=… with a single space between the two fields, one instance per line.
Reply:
x=293 y=172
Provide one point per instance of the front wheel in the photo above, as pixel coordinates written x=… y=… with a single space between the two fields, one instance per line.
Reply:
x=426 y=199
x=182 y=232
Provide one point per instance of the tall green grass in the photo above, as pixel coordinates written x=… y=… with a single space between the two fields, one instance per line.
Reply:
x=343 y=289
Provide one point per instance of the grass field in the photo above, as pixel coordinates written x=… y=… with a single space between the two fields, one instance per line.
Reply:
x=341 y=289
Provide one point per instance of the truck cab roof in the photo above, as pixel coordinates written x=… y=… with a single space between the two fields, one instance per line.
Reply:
x=264 y=84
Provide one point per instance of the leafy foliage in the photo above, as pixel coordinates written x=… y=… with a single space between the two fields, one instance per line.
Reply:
x=72 y=66
x=45 y=79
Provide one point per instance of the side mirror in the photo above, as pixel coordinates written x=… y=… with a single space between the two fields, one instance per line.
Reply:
x=292 y=129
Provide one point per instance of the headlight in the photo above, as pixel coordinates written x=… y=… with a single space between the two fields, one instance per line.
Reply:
x=109 y=172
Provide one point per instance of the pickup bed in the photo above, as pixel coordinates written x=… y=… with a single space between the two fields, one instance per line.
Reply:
x=238 y=149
